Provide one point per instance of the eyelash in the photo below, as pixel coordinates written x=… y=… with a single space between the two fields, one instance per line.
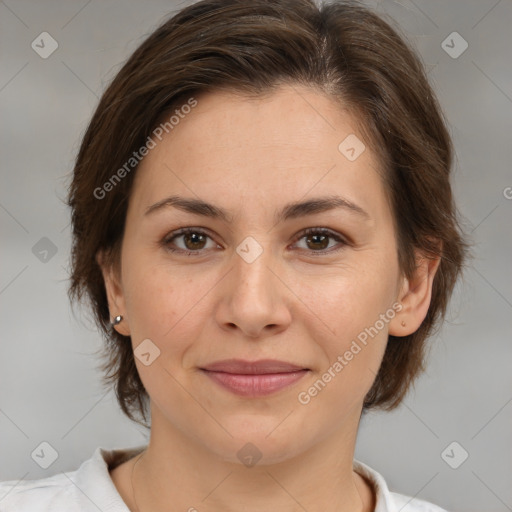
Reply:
x=307 y=232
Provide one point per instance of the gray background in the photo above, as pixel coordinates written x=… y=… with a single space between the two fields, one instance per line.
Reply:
x=50 y=388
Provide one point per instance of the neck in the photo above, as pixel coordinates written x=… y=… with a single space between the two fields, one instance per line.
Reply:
x=176 y=470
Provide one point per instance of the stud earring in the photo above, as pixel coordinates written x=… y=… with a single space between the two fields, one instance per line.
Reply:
x=117 y=320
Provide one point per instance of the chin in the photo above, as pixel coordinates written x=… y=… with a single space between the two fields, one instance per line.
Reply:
x=257 y=441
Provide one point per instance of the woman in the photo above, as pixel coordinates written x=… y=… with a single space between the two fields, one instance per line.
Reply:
x=264 y=226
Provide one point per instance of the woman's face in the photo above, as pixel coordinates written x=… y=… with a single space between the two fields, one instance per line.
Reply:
x=254 y=285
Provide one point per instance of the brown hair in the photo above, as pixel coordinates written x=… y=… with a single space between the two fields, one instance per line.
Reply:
x=251 y=47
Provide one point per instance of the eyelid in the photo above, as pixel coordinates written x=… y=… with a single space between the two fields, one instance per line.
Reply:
x=338 y=237
x=323 y=231
x=184 y=231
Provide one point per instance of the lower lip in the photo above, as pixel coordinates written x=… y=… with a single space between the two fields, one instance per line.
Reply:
x=255 y=385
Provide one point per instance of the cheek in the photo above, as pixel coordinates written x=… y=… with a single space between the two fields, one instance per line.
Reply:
x=151 y=300
x=160 y=307
x=153 y=294
x=355 y=307
x=349 y=299
x=165 y=303
x=352 y=353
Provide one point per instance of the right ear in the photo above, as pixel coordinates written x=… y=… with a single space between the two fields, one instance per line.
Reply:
x=115 y=295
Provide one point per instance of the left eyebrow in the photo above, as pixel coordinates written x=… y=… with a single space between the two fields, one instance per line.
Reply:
x=292 y=210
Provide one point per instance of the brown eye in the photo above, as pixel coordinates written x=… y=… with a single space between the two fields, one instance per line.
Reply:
x=317 y=240
x=193 y=241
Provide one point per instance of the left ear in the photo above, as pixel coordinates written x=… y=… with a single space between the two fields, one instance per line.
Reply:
x=415 y=296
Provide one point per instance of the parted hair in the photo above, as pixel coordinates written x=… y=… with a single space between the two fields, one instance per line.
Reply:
x=343 y=49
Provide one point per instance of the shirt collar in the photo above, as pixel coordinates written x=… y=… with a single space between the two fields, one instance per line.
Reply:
x=383 y=499
x=94 y=481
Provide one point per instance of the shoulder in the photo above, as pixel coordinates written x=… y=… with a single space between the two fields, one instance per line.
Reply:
x=86 y=489
x=388 y=501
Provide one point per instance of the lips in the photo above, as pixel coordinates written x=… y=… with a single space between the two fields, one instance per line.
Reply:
x=261 y=367
x=254 y=378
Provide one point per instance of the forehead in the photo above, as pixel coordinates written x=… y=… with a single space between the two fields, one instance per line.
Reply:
x=284 y=144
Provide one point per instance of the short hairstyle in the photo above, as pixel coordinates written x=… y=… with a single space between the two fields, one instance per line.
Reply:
x=251 y=47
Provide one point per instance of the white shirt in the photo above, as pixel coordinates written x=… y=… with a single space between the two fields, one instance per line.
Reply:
x=91 y=489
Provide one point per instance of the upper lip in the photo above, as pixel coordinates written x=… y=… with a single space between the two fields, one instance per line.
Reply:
x=239 y=366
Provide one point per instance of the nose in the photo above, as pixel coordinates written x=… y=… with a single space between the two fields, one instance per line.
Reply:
x=253 y=298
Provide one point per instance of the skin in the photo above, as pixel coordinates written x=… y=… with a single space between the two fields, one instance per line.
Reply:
x=293 y=303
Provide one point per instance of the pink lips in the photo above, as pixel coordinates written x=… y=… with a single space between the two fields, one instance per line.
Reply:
x=257 y=378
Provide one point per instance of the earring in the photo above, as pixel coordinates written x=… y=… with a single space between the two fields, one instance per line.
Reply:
x=117 y=320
